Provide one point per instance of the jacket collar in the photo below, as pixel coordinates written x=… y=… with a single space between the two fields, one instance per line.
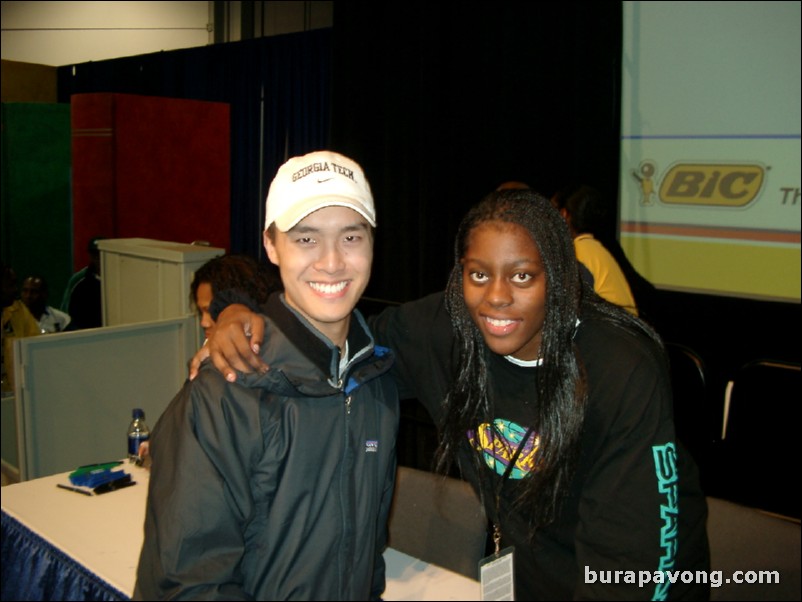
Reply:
x=324 y=354
x=290 y=337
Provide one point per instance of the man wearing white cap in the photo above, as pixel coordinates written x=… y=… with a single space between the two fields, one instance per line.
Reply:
x=277 y=486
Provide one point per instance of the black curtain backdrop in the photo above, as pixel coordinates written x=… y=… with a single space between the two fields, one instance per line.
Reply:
x=279 y=92
x=440 y=106
x=443 y=104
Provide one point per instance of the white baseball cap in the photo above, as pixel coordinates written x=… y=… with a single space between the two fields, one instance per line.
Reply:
x=313 y=181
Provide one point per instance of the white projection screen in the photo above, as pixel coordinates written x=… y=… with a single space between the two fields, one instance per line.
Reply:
x=710 y=146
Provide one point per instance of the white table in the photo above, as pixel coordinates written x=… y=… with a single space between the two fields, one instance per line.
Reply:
x=411 y=579
x=104 y=535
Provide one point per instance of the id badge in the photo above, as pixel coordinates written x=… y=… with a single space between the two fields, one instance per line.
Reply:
x=496 y=576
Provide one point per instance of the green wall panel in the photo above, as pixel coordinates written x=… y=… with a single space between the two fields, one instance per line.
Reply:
x=36 y=214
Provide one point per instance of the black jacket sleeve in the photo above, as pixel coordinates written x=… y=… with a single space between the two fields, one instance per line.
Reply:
x=198 y=498
x=421 y=335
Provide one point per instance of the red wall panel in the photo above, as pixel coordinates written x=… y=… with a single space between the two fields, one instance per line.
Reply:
x=149 y=167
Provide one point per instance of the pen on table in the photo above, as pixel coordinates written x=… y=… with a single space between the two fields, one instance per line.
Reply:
x=75 y=489
x=109 y=463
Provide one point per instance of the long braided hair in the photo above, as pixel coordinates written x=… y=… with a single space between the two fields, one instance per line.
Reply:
x=561 y=385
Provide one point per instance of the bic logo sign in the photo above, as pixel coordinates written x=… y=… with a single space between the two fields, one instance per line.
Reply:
x=711 y=184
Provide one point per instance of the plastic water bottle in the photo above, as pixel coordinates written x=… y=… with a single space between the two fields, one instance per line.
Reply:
x=138 y=432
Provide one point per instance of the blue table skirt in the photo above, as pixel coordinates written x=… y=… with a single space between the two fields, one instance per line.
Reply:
x=33 y=569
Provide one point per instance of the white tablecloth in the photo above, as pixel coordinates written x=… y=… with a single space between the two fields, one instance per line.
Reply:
x=104 y=534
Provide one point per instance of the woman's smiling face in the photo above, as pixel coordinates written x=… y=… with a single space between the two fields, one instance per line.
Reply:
x=504 y=287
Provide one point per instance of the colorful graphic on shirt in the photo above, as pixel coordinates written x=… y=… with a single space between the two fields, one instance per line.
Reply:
x=665 y=465
x=498 y=443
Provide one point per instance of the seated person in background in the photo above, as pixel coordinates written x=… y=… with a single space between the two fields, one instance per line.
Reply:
x=226 y=272
x=17 y=322
x=34 y=296
x=82 y=297
x=234 y=274
x=278 y=487
x=583 y=211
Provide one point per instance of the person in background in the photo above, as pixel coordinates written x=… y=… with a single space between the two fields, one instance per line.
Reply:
x=17 y=322
x=555 y=404
x=583 y=210
x=224 y=273
x=278 y=487
x=34 y=296
x=83 y=297
x=513 y=185
x=229 y=272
